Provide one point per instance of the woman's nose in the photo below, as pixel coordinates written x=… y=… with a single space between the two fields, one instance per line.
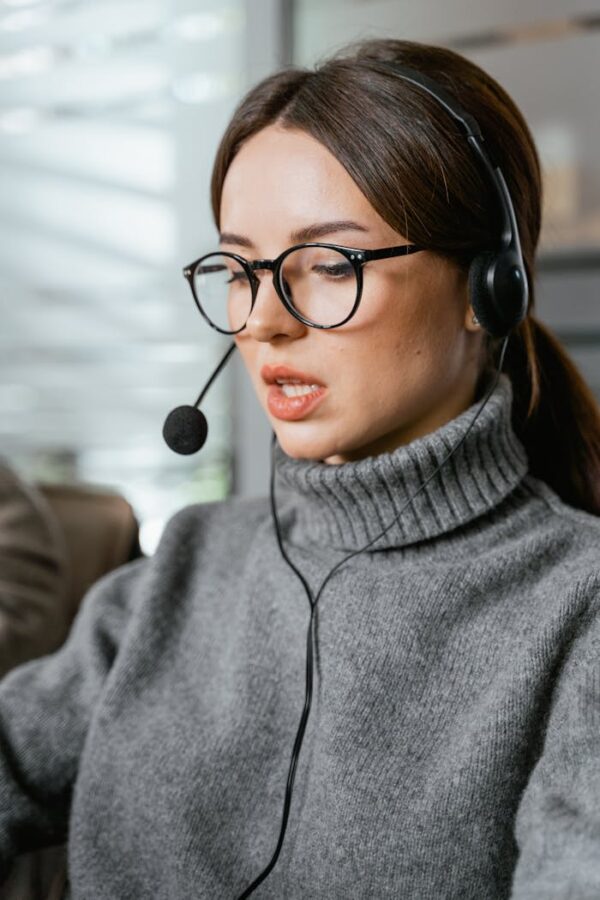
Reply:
x=269 y=316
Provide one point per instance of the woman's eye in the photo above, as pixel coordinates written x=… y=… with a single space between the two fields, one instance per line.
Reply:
x=338 y=270
x=236 y=276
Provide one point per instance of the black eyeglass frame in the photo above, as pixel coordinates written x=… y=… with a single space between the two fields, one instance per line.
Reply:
x=356 y=256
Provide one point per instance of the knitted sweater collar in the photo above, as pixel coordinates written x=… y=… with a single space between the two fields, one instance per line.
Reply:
x=347 y=505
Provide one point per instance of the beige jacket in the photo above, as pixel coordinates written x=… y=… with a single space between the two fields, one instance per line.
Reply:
x=35 y=614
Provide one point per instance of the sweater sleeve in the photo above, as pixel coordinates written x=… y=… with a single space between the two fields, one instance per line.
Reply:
x=45 y=709
x=557 y=826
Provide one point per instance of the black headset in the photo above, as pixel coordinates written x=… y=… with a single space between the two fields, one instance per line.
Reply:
x=498 y=286
x=499 y=295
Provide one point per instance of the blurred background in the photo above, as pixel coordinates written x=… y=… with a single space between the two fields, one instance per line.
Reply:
x=110 y=114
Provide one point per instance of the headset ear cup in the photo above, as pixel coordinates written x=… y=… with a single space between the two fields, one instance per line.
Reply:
x=479 y=294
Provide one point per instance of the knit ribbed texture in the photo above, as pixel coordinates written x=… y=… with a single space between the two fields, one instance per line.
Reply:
x=346 y=506
x=452 y=750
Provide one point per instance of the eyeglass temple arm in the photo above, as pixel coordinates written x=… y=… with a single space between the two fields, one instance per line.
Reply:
x=388 y=252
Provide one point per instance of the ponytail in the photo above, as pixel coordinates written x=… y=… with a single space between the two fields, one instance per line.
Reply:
x=555 y=415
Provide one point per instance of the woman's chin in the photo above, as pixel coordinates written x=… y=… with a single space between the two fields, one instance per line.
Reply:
x=299 y=445
x=319 y=448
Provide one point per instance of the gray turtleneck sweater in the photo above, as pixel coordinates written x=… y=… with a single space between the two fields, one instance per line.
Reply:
x=453 y=747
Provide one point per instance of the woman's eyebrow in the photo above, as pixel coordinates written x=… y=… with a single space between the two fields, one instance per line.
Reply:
x=307 y=233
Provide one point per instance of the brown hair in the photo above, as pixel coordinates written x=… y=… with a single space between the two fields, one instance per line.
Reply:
x=400 y=146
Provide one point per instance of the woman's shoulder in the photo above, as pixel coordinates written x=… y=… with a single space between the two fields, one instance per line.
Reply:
x=197 y=539
x=574 y=531
x=235 y=511
x=564 y=512
x=230 y=521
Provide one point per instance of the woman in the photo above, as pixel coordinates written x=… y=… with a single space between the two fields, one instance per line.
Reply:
x=452 y=746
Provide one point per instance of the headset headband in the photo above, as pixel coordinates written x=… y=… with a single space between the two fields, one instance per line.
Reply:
x=509 y=237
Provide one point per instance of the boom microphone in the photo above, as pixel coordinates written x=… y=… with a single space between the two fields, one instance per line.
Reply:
x=186 y=429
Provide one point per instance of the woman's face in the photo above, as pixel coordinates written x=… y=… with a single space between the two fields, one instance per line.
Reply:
x=405 y=363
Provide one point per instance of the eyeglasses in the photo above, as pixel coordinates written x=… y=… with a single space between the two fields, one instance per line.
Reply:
x=320 y=284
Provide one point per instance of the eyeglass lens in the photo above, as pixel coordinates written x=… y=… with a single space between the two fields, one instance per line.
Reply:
x=318 y=282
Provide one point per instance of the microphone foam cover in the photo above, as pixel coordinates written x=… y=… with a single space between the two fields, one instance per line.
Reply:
x=185 y=429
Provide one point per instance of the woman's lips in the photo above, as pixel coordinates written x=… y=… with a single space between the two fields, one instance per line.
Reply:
x=292 y=408
x=270 y=374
